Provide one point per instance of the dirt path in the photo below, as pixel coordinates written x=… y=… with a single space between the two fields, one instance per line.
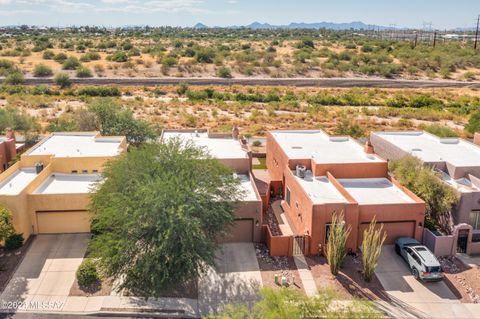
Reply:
x=299 y=82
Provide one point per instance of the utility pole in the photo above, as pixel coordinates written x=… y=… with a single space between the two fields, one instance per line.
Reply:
x=476 y=33
x=434 y=38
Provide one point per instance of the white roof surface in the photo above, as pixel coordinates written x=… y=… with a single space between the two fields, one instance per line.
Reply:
x=78 y=145
x=375 y=191
x=320 y=190
x=321 y=147
x=68 y=184
x=430 y=148
x=221 y=148
x=247 y=186
x=16 y=183
x=463 y=185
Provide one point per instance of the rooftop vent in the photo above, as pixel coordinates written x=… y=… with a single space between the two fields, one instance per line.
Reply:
x=38 y=167
x=301 y=171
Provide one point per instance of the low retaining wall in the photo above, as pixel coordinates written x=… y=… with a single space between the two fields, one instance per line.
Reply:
x=439 y=245
x=278 y=246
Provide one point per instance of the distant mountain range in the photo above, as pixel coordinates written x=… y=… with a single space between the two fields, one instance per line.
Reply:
x=356 y=25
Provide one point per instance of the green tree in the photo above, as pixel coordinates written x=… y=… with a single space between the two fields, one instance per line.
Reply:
x=41 y=70
x=113 y=119
x=337 y=242
x=427 y=184
x=6 y=226
x=473 y=125
x=157 y=214
x=20 y=121
x=63 y=80
x=373 y=240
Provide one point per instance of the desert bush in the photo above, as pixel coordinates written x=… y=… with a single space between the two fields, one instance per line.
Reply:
x=41 y=70
x=71 y=63
x=440 y=130
x=101 y=91
x=87 y=274
x=6 y=225
x=60 y=57
x=90 y=56
x=224 y=72
x=373 y=240
x=63 y=80
x=84 y=72
x=15 y=78
x=48 y=55
x=14 y=241
x=473 y=125
x=118 y=57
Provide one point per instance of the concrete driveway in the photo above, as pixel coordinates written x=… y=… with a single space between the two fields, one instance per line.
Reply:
x=413 y=298
x=47 y=272
x=236 y=279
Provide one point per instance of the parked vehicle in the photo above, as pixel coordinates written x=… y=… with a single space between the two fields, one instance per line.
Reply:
x=423 y=264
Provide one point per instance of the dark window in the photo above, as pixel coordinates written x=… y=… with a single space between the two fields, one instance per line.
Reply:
x=432 y=269
x=476 y=237
x=417 y=259
x=288 y=196
x=327 y=232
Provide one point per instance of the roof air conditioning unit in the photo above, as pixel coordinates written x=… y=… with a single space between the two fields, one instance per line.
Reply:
x=301 y=171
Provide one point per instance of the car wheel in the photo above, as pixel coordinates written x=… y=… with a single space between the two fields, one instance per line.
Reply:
x=415 y=273
x=397 y=249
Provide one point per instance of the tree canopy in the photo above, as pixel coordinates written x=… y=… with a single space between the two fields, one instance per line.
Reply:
x=157 y=214
x=427 y=184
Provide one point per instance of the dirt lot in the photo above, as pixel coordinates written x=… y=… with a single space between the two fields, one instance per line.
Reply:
x=281 y=266
x=349 y=282
x=464 y=281
x=9 y=260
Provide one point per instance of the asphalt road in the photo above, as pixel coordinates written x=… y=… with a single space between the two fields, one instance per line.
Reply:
x=299 y=82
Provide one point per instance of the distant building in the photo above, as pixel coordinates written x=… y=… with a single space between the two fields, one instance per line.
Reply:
x=459 y=163
x=48 y=190
x=8 y=149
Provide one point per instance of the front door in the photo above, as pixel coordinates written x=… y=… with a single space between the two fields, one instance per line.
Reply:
x=462 y=241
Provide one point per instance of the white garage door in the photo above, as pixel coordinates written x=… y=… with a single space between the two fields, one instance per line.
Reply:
x=63 y=222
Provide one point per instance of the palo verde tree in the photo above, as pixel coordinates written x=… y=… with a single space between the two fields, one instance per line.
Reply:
x=337 y=242
x=373 y=239
x=428 y=185
x=6 y=226
x=157 y=214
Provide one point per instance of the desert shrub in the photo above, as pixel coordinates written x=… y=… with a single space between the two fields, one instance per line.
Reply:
x=72 y=63
x=118 y=57
x=63 y=80
x=440 y=130
x=6 y=67
x=102 y=91
x=473 y=125
x=349 y=127
x=48 y=55
x=84 y=72
x=197 y=95
x=205 y=55
x=306 y=43
x=90 y=56
x=182 y=88
x=224 y=72
x=14 y=241
x=41 y=70
x=6 y=225
x=60 y=57
x=15 y=78
x=87 y=274
x=424 y=100
x=373 y=240
x=169 y=61
x=337 y=242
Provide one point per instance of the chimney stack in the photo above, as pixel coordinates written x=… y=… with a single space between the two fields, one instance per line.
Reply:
x=10 y=134
x=368 y=148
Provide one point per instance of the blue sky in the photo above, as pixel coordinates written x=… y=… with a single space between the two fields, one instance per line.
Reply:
x=410 y=13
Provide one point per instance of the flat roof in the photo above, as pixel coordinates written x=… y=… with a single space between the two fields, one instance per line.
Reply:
x=322 y=148
x=375 y=191
x=77 y=145
x=320 y=190
x=430 y=148
x=246 y=185
x=221 y=148
x=463 y=185
x=16 y=183
x=58 y=183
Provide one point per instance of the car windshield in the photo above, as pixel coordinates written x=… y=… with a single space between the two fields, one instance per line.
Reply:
x=433 y=269
x=421 y=249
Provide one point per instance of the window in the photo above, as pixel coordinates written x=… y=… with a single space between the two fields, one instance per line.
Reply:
x=288 y=196
x=327 y=232
x=475 y=219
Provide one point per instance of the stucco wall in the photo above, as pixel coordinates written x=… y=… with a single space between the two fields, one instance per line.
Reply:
x=276 y=160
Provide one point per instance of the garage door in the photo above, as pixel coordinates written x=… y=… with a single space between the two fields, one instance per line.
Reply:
x=392 y=229
x=63 y=222
x=242 y=231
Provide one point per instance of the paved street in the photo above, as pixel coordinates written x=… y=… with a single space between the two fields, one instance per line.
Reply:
x=415 y=299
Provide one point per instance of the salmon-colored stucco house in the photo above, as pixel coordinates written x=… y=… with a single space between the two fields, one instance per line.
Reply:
x=317 y=175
